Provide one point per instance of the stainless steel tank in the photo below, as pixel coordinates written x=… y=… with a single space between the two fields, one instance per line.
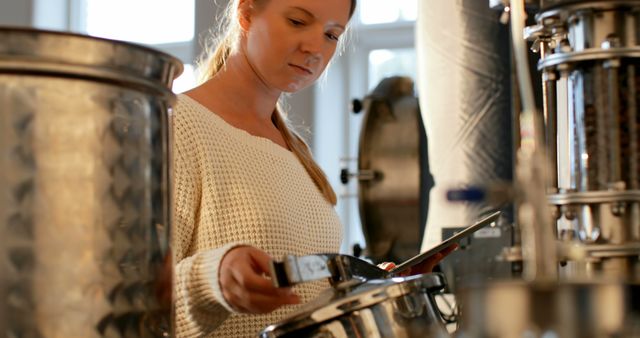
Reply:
x=84 y=186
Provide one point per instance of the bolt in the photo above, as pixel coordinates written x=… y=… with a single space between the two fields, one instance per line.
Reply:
x=569 y=212
x=618 y=209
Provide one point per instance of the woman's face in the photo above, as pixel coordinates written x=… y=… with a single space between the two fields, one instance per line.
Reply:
x=290 y=42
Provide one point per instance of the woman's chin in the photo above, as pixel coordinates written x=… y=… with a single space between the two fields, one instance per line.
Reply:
x=295 y=86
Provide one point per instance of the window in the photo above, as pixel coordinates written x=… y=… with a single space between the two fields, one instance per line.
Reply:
x=142 y=21
x=385 y=11
x=391 y=62
x=382 y=46
x=186 y=80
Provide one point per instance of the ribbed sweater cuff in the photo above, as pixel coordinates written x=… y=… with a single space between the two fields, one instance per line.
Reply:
x=206 y=288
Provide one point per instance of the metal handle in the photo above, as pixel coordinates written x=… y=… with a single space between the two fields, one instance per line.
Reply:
x=362 y=175
x=342 y=270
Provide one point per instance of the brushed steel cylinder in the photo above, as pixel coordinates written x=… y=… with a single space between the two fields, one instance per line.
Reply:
x=84 y=187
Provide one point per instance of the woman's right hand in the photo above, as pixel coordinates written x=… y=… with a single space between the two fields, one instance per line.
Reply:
x=245 y=285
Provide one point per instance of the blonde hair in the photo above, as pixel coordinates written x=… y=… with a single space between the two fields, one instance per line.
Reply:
x=214 y=60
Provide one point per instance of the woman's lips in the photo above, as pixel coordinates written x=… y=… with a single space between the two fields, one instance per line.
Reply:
x=301 y=69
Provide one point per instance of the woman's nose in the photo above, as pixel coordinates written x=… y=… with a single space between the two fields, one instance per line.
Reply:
x=312 y=45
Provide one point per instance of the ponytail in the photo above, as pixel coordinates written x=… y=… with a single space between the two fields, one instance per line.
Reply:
x=300 y=148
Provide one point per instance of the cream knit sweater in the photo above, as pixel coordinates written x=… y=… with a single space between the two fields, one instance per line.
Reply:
x=233 y=188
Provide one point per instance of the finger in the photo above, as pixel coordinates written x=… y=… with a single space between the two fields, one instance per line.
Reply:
x=253 y=281
x=252 y=302
x=260 y=261
x=449 y=249
x=435 y=259
x=388 y=266
x=262 y=265
x=406 y=272
x=427 y=265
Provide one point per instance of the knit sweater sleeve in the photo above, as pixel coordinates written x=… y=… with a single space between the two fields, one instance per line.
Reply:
x=200 y=306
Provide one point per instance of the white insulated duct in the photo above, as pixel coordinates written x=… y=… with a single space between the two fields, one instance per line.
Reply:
x=465 y=99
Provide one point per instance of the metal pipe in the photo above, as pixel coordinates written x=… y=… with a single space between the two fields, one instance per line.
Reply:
x=538 y=235
x=632 y=116
x=632 y=113
x=613 y=121
x=550 y=103
x=602 y=177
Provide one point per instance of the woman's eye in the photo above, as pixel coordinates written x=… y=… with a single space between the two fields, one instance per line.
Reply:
x=296 y=22
x=332 y=36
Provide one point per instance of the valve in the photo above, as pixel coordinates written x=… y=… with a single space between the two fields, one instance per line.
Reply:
x=362 y=175
x=356 y=106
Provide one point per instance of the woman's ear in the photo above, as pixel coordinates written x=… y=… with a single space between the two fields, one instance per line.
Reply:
x=245 y=11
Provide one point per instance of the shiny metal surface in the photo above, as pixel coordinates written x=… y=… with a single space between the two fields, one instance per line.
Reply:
x=398 y=307
x=561 y=310
x=341 y=270
x=392 y=147
x=30 y=51
x=84 y=187
x=590 y=55
x=547 y=6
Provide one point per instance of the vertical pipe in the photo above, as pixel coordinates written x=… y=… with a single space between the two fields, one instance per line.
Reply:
x=613 y=121
x=550 y=103
x=602 y=176
x=550 y=106
x=632 y=113
x=565 y=139
x=538 y=239
x=632 y=116
x=578 y=155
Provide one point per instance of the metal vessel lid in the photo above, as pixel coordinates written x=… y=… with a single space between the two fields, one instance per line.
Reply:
x=393 y=171
x=333 y=303
x=42 y=52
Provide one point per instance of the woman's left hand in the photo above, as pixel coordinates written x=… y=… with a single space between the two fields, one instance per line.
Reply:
x=425 y=266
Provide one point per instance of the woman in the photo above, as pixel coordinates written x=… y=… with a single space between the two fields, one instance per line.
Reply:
x=246 y=186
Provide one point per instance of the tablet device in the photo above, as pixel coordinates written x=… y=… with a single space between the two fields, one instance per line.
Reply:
x=447 y=242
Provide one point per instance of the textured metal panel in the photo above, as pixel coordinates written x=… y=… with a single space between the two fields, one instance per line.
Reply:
x=84 y=207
